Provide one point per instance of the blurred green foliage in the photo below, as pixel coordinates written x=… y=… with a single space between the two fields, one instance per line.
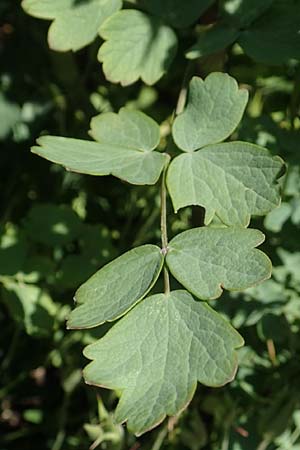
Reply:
x=57 y=228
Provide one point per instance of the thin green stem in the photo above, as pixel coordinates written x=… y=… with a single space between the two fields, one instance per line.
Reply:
x=164 y=229
x=160 y=438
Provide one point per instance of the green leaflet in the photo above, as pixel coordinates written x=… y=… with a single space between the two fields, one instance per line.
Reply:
x=206 y=260
x=76 y=23
x=116 y=287
x=158 y=352
x=215 y=108
x=233 y=180
x=274 y=38
x=212 y=40
x=137 y=46
x=131 y=129
x=124 y=148
x=177 y=13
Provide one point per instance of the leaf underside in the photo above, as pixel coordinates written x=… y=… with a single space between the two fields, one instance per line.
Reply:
x=116 y=287
x=156 y=354
x=207 y=260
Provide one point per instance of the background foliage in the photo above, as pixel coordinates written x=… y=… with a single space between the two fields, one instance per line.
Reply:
x=57 y=228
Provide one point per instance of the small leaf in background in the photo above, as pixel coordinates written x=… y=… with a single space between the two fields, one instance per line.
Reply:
x=52 y=225
x=242 y=13
x=279 y=25
x=179 y=14
x=75 y=23
x=233 y=180
x=137 y=46
x=116 y=287
x=207 y=260
x=213 y=40
x=214 y=109
x=13 y=250
x=157 y=353
x=10 y=114
x=133 y=165
x=30 y=306
x=275 y=220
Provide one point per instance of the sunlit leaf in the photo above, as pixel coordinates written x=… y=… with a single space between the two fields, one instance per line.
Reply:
x=158 y=352
x=233 y=180
x=215 y=108
x=207 y=260
x=126 y=141
x=116 y=287
x=137 y=46
x=75 y=22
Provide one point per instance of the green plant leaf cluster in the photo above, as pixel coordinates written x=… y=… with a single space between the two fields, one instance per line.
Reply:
x=59 y=227
x=233 y=181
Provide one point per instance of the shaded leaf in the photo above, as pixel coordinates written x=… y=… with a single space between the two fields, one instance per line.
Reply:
x=233 y=180
x=213 y=40
x=177 y=13
x=137 y=46
x=75 y=23
x=116 y=287
x=215 y=108
x=30 y=307
x=274 y=38
x=52 y=224
x=158 y=352
x=206 y=260
x=242 y=13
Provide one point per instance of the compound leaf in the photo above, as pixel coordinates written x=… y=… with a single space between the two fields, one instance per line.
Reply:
x=212 y=40
x=179 y=14
x=233 y=180
x=279 y=25
x=206 y=260
x=137 y=46
x=215 y=108
x=124 y=148
x=116 y=287
x=156 y=354
x=75 y=23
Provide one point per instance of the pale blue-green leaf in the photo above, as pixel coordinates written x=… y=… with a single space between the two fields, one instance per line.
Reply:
x=132 y=129
x=274 y=38
x=75 y=23
x=92 y=158
x=212 y=40
x=156 y=354
x=233 y=180
x=179 y=14
x=207 y=260
x=116 y=287
x=137 y=46
x=215 y=108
